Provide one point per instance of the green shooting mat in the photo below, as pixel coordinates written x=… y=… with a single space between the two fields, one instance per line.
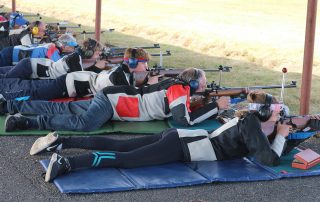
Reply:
x=111 y=127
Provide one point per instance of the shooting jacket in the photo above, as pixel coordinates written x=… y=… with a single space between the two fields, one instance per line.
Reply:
x=167 y=98
x=235 y=139
x=48 y=50
x=4 y=29
x=43 y=68
x=86 y=83
x=20 y=37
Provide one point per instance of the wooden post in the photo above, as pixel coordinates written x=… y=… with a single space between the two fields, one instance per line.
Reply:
x=98 y=20
x=308 y=57
x=13 y=5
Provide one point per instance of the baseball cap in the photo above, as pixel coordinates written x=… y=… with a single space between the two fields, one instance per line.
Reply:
x=17 y=19
x=68 y=40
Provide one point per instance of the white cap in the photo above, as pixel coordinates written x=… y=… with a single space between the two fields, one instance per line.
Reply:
x=67 y=40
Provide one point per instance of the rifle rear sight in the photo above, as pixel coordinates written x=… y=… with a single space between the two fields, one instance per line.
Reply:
x=224 y=68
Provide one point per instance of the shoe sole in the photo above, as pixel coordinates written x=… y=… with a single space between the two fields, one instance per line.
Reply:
x=49 y=170
x=43 y=142
x=6 y=121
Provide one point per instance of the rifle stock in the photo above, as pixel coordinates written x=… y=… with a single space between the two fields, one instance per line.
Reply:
x=140 y=78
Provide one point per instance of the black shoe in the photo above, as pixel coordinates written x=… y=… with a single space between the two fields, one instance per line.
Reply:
x=74 y=62
x=49 y=143
x=58 y=166
x=14 y=122
x=3 y=104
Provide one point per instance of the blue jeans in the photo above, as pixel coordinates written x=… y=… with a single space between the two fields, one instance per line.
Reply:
x=22 y=70
x=12 y=88
x=6 y=56
x=5 y=69
x=86 y=115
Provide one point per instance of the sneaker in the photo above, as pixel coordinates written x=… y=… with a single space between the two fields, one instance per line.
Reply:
x=14 y=122
x=48 y=143
x=58 y=166
x=3 y=103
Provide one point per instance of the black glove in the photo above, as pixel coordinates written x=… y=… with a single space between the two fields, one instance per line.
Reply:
x=314 y=124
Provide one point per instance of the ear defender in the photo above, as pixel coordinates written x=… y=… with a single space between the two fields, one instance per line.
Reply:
x=194 y=83
x=265 y=111
x=133 y=61
x=88 y=53
x=35 y=29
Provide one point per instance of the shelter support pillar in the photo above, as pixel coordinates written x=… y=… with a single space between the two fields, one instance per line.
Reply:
x=308 y=57
x=13 y=6
x=98 y=20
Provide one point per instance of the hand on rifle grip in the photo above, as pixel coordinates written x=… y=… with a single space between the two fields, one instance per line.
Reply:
x=283 y=129
x=247 y=91
x=154 y=79
x=223 y=102
x=102 y=64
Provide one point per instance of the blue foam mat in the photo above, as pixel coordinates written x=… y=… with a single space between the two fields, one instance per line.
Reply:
x=177 y=174
x=170 y=175
x=232 y=171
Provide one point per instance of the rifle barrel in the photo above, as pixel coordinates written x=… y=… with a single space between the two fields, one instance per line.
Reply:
x=85 y=32
x=143 y=47
x=65 y=26
x=57 y=23
x=292 y=85
x=31 y=15
x=206 y=70
x=158 y=54
x=234 y=91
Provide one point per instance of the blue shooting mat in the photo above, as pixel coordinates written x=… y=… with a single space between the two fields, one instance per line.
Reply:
x=111 y=179
x=175 y=175
x=237 y=170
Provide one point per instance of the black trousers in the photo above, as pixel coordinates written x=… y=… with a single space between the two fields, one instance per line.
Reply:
x=143 y=151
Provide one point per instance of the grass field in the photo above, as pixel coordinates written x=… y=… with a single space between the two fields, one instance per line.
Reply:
x=257 y=38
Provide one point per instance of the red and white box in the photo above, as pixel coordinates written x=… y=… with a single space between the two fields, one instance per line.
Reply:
x=306 y=159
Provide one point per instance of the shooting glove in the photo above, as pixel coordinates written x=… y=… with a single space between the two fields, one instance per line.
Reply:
x=314 y=124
